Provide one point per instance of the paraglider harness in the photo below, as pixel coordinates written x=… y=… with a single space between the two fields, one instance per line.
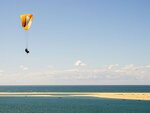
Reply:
x=27 y=51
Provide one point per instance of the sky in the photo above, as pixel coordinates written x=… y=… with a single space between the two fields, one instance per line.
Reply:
x=75 y=42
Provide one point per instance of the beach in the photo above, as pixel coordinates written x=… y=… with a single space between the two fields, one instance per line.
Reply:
x=132 y=96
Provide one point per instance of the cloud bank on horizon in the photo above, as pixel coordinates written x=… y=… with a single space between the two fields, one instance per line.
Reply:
x=106 y=75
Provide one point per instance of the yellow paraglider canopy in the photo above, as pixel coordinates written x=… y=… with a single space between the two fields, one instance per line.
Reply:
x=26 y=21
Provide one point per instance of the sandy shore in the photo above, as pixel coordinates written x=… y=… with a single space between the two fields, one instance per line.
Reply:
x=135 y=96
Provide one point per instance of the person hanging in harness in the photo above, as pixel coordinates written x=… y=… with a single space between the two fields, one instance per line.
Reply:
x=27 y=51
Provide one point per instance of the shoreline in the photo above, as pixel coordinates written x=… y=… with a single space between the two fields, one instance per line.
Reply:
x=130 y=96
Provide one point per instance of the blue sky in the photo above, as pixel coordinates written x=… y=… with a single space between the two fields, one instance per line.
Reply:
x=109 y=36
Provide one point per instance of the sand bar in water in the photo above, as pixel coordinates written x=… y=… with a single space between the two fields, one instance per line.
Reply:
x=135 y=96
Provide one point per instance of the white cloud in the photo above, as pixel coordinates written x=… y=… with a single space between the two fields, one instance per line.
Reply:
x=1 y=71
x=79 y=63
x=24 y=68
x=50 y=66
x=112 y=66
x=109 y=74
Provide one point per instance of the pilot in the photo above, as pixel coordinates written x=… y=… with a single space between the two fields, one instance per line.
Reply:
x=27 y=51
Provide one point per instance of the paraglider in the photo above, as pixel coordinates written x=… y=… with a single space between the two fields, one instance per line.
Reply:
x=26 y=21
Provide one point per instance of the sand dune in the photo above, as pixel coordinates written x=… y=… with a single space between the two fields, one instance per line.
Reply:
x=135 y=96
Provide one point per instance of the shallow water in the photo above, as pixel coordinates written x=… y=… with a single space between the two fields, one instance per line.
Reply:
x=72 y=104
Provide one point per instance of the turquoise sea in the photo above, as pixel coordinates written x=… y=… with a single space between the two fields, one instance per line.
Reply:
x=72 y=104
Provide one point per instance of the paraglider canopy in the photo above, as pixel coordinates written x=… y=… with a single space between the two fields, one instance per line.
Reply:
x=26 y=21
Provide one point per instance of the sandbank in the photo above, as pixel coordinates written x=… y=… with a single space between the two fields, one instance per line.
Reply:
x=120 y=95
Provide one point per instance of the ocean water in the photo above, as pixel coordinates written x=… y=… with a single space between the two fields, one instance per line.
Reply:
x=100 y=88
x=72 y=104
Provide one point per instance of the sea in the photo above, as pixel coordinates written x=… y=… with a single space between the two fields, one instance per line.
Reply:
x=73 y=104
